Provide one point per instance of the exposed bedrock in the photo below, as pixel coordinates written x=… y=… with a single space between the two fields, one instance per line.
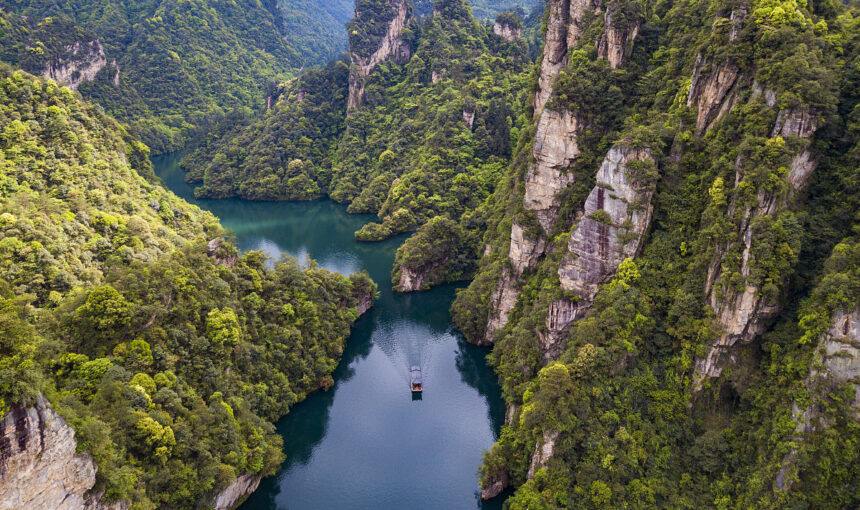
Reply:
x=39 y=465
x=82 y=62
x=713 y=84
x=616 y=216
x=236 y=492
x=544 y=450
x=502 y=302
x=744 y=315
x=564 y=29
x=507 y=31
x=711 y=91
x=555 y=148
x=836 y=362
x=616 y=44
x=415 y=279
x=391 y=45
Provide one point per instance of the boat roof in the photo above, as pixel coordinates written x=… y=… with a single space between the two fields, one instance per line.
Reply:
x=416 y=375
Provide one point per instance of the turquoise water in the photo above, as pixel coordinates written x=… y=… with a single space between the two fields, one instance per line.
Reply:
x=366 y=443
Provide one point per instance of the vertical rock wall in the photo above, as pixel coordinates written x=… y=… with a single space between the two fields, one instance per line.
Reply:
x=39 y=465
x=391 y=45
x=617 y=214
x=745 y=314
x=836 y=362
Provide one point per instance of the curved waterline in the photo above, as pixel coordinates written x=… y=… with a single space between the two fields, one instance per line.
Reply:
x=366 y=443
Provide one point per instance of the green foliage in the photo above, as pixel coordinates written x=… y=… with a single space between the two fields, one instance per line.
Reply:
x=180 y=64
x=629 y=429
x=442 y=251
x=286 y=154
x=170 y=365
x=408 y=154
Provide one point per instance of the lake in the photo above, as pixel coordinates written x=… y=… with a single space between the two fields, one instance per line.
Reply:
x=367 y=442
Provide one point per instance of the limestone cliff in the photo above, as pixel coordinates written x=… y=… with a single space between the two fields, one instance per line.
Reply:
x=710 y=89
x=565 y=26
x=420 y=279
x=390 y=46
x=39 y=465
x=501 y=303
x=836 y=362
x=745 y=314
x=236 y=492
x=617 y=214
x=621 y=30
x=555 y=148
x=544 y=449
x=507 y=31
x=78 y=63
x=713 y=87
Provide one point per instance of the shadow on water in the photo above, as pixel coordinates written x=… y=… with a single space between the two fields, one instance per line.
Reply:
x=369 y=442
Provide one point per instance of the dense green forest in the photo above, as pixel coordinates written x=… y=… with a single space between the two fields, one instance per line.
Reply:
x=483 y=9
x=167 y=351
x=170 y=67
x=655 y=206
x=431 y=137
x=611 y=402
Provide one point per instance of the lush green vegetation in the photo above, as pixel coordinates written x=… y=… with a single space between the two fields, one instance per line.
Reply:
x=442 y=251
x=181 y=64
x=631 y=431
x=107 y=280
x=483 y=10
x=170 y=355
x=315 y=28
x=431 y=138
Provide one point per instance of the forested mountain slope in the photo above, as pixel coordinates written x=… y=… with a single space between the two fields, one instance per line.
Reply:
x=168 y=352
x=315 y=28
x=419 y=123
x=165 y=67
x=669 y=278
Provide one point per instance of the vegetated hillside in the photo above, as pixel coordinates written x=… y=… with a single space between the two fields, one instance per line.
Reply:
x=163 y=66
x=422 y=124
x=167 y=351
x=315 y=28
x=482 y=9
x=670 y=270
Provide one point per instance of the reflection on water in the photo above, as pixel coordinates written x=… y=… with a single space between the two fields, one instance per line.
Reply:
x=369 y=442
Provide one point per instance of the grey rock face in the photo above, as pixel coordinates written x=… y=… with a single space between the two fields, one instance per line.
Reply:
x=564 y=29
x=524 y=249
x=415 y=279
x=836 y=362
x=617 y=41
x=469 y=118
x=616 y=216
x=745 y=314
x=544 y=450
x=503 y=300
x=86 y=59
x=237 y=491
x=555 y=148
x=710 y=91
x=39 y=467
x=392 y=45
x=506 y=31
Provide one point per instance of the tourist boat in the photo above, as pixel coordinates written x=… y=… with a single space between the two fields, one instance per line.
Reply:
x=416 y=379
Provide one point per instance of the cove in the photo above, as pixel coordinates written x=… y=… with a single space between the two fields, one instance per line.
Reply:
x=366 y=443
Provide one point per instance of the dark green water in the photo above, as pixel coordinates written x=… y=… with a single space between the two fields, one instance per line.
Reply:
x=366 y=444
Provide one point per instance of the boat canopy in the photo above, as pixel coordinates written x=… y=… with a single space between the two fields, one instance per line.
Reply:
x=416 y=375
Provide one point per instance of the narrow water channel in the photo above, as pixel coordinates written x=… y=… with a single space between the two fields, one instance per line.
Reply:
x=366 y=443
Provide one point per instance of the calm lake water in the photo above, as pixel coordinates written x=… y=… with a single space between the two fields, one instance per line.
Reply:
x=366 y=443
